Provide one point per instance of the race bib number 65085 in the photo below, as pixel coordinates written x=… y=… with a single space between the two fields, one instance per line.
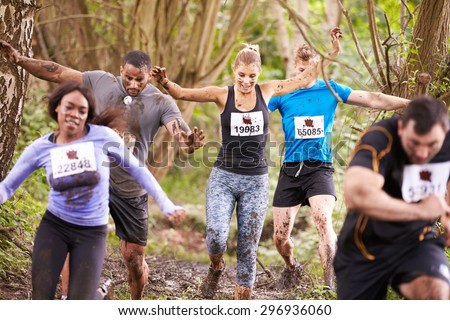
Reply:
x=309 y=127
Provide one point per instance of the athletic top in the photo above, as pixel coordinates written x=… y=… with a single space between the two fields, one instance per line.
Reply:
x=380 y=150
x=244 y=136
x=78 y=174
x=307 y=118
x=145 y=114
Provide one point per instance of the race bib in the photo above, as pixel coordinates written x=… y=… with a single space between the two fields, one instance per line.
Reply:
x=422 y=180
x=309 y=127
x=247 y=124
x=73 y=159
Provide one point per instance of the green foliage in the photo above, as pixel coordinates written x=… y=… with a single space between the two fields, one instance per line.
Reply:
x=20 y=216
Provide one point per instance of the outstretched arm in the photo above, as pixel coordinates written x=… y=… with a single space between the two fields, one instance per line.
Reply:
x=144 y=177
x=206 y=94
x=282 y=87
x=335 y=36
x=24 y=166
x=45 y=70
x=376 y=100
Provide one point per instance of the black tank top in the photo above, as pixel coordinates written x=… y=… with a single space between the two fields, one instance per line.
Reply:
x=244 y=136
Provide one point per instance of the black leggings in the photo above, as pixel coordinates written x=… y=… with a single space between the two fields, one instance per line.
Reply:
x=54 y=239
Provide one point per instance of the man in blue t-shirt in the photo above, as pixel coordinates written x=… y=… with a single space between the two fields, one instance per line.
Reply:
x=306 y=177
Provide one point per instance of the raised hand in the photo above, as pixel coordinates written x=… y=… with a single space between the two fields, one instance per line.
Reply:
x=192 y=141
x=336 y=35
x=160 y=75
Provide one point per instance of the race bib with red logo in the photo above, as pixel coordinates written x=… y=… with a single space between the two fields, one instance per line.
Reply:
x=73 y=159
x=309 y=127
x=420 y=181
x=247 y=124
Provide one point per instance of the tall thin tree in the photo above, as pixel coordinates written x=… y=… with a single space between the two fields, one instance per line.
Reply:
x=16 y=27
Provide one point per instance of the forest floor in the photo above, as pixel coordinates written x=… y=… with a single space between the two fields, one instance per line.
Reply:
x=175 y=278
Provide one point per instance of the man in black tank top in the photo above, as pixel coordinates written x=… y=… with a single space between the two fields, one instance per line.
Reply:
x=395 y=189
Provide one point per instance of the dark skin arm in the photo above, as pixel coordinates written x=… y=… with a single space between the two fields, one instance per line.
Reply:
x=42 y=69
x=188 y=142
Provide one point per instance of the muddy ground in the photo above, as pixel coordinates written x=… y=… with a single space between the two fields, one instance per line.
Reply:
x=178 y=279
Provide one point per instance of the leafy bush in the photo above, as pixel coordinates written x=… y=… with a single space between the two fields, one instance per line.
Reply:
x=19 y=218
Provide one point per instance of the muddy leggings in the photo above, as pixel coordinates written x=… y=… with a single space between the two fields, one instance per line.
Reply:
x=54 y=239
x=250 y=196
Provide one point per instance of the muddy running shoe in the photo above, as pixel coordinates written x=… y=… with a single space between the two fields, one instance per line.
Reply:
x=211 y=282
x=105 y=292
x=291 y=278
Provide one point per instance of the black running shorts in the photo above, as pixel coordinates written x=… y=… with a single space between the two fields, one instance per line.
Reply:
x=131 y=217
x=298 y=181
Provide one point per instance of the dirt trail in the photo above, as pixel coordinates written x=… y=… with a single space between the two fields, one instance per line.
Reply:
x=176 y=279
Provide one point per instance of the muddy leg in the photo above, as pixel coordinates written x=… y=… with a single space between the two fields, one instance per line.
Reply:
x=242 y=293
x=211 y=282
x=283 y=223
x=133 y=255
x=322 y=210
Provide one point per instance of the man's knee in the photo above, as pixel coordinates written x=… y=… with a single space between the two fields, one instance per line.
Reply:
x=426 y=288
x=133 y=253
x=282 y=242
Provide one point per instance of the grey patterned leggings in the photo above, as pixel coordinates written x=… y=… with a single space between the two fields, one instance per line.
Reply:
x=250 y=196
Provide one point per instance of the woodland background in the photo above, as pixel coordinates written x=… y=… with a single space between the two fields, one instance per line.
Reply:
x=399 y=47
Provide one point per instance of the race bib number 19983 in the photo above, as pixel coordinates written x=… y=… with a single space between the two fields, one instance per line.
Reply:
x=247 y=124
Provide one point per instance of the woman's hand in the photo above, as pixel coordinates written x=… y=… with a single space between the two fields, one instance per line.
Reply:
x=177 y=216
x=160 y=75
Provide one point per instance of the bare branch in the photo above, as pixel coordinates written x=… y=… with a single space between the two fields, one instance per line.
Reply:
x=358 y=47
x=81 y=16
x=298 y=20
x=375 y=40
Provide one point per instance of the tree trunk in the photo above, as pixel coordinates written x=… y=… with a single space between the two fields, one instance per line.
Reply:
x=16 y=27
x=430 y=40
x=286 y=45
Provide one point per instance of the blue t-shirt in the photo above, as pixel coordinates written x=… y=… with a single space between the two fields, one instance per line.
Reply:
x=308 y=117
x=78 y=174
